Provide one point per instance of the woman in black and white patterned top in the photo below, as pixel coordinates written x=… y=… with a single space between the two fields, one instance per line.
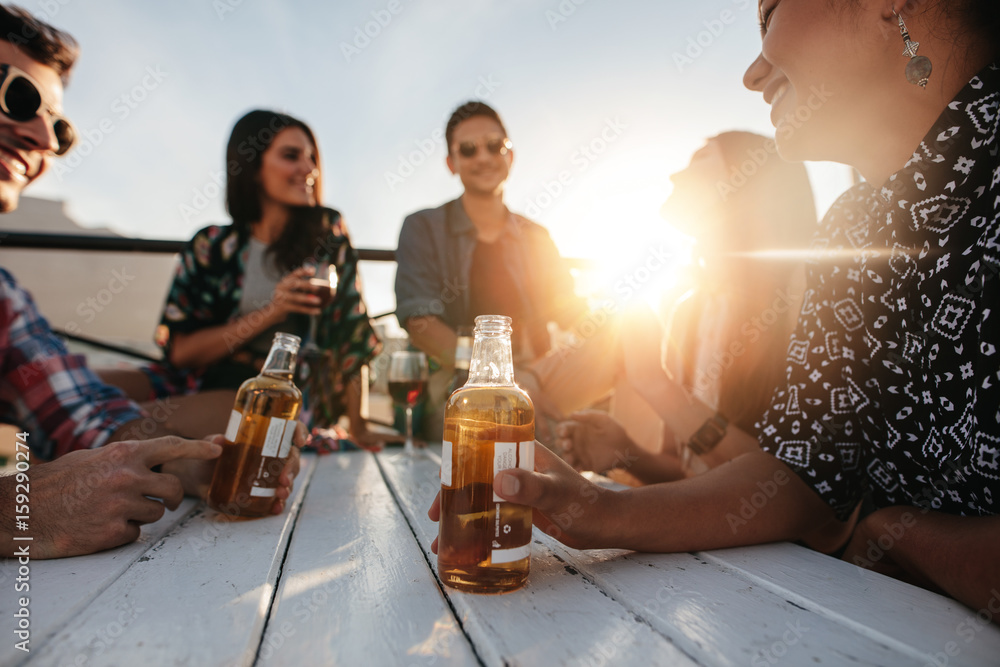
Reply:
x=893 y=373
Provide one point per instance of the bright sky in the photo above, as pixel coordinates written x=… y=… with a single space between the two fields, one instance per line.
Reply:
x=603 y=100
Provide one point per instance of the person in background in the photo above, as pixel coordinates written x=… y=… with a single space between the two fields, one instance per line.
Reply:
x=728 y=332
x=893 y=373
x=474 y=256
x=237 y=285
x=729 y=323
x=100 y=467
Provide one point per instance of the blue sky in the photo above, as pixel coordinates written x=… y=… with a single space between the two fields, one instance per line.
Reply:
x=603 y=101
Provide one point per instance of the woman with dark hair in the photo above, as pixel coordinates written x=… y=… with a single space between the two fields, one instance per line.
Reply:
x=237 y=285
x=892 y=378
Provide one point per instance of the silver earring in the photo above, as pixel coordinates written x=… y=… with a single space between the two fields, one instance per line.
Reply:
x=918 y=70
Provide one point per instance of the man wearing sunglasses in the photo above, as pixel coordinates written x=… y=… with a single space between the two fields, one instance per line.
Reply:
x=472 y=256
x=91 y=495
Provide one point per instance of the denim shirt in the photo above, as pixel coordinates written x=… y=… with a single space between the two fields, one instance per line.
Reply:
x=434 y=260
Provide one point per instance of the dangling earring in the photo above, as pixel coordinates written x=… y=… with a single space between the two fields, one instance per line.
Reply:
x=918 y=70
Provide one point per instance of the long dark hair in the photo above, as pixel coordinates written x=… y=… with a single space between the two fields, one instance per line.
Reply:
x=251 y=136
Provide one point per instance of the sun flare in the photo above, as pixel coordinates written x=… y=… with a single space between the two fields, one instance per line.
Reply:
x=613 y=221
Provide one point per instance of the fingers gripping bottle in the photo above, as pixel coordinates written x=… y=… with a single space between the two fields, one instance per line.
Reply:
x=484 y=544
x=259 y=436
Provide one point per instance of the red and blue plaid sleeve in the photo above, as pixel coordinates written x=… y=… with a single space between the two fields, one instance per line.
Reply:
x=46 y=390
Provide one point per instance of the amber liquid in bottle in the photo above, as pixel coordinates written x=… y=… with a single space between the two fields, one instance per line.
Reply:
x=259 y=438
x=484 y=542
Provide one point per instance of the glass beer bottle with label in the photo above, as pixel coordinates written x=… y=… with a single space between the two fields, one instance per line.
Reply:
x=484 y=543
x=259 y=436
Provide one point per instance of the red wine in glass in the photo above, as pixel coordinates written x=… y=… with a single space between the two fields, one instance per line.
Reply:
x=407 y=393
x=407 y=378
x=323 y=290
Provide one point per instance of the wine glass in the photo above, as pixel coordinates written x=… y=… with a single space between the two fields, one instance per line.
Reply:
x=323 y=284
x=407 y=380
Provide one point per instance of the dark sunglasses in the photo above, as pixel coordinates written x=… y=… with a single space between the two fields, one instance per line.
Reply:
x=21 y=100
x=493 y=147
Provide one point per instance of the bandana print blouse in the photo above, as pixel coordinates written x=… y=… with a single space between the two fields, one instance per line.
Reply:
x=894 y=369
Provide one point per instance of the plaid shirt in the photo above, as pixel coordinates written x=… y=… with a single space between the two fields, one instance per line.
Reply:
x=44 y=389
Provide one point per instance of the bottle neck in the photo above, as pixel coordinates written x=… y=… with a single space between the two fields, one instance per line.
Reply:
x=280 y=362
x=492 y=362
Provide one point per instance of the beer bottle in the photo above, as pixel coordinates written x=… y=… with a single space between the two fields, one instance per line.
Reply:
x=484 y=543
x=259 y=435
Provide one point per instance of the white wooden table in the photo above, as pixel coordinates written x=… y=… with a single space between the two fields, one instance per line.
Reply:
x=346 y=577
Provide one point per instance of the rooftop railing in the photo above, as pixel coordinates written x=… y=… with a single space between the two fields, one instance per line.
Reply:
x=91 y=243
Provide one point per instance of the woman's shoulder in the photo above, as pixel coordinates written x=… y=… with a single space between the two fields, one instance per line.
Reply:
x=333 y=227
x=215 y=234
x=215 y=242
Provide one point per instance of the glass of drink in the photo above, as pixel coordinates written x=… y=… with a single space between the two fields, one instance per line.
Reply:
x=407 y=381
x=323 y=284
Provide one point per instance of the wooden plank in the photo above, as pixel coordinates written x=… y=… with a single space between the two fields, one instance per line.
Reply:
x=60 y=589
x=356 y=588
x=557 y=618
x=199 y=596
x=927 y=627
x=722 y=618
x=943 y=630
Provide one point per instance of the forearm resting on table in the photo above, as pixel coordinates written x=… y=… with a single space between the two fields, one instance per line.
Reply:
x=709 y=511
x=959 y=555
x=211 y=344
x=435 y=338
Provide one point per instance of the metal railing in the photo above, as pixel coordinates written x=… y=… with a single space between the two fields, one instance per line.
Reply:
x=39 y=241
x=90 y=243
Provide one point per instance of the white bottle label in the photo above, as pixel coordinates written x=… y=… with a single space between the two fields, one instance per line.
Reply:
x=233 y=428
x=446 y=463
x=275 y=438
x=504 y=458
x=498 y=556
x=286 y=439
x=526 y=456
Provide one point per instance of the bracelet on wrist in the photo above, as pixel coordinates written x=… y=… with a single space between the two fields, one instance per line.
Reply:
x=708 y=435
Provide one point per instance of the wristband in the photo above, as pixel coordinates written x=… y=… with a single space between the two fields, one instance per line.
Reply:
x=708 y=435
